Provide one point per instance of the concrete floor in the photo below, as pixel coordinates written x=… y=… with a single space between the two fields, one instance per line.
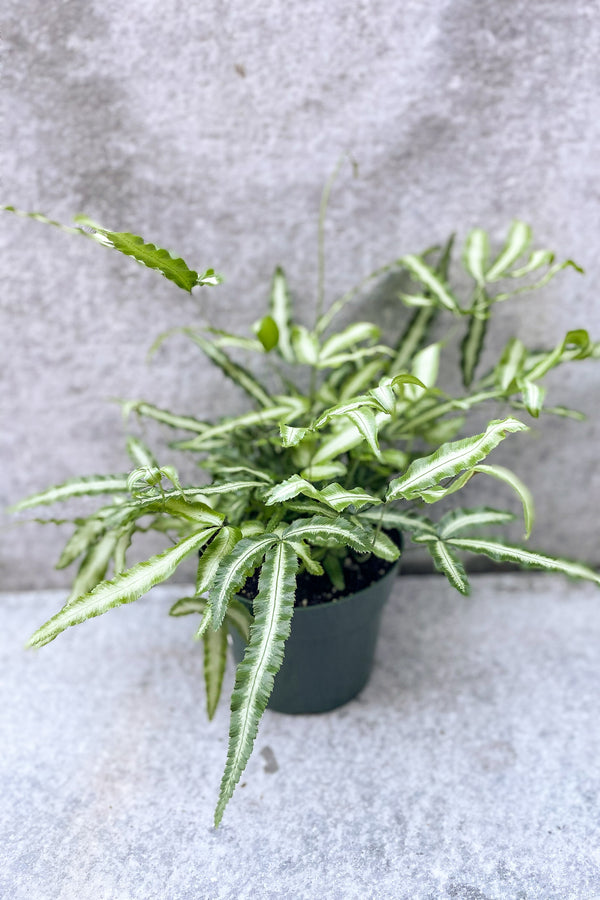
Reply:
x=469 y=767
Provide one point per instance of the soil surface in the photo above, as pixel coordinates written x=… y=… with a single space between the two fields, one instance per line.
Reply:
x=314 y=589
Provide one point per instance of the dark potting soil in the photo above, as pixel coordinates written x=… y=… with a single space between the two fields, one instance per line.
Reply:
x=313 y=589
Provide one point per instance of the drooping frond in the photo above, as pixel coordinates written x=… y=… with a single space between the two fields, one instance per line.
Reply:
x=123 y=589
x=501 y=552
x=451 y=459
x=215 y=660
x=262 y=660
x=91 y=485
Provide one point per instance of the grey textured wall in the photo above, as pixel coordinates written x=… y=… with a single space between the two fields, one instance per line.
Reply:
x=210 y=128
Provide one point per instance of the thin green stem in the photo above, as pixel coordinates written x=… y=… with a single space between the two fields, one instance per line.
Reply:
x=321 y=234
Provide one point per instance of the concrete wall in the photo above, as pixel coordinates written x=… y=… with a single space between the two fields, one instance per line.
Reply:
x=210 y=128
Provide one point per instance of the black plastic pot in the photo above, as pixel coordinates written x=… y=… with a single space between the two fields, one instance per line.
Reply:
x=330 y=651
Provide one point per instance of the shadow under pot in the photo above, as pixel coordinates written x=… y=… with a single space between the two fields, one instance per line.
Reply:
x=330 y=652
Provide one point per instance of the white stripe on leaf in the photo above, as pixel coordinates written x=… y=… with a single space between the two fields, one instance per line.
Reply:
x=450 y=459
x=233 y=571
x=262 y=660
x=123 y=589
x=501 y=552
x=446 y=562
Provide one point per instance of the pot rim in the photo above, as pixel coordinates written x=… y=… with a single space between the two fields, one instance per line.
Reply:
x=338 y=601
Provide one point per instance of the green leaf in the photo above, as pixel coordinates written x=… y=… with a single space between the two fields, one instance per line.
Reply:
x=384 y=394
x=459 y=519
x=412 y=338
x=576 y=345
x=140 y=453
x=472 y=343
x=448 y=563
x=353 y=334
x=280 y=309
x=75 y=487
x=88 y=531
x=405 y=378
x=186 y=423
x=93 y=568
x=342 y=409
x=359 y=380
x=236 y=470
x=562 y=411
x=171 y=266
x=425 y=367
x=384 y=547
x=329 y=533
x=226 y=487
x=215 y=660
x=533 y=396
x=310 y=507
x=238 y=617
x=442 y=431
x=519 y=238
x=311 y=565
x=537 y=259
x=238 y=374
x=204 y=625
x=233 y=571
x=395 y=459
x=187 y=605
x=227 y=339
x=267 y=332
x=323 y=471
x=290 y=436
x=281 y=411
x=511 y=363
x=122 y=546
x=334 y=495
x=148 y=480
x=221 y=545
x=417 y=329
x=290 y=488
x=333 y=567
x=418 y=300
x=450 y=459
x=552 y=271
x=366 y=423
x=123 y=589
x=426 y=276
x=476 y=253
x=523 y=492
x=340 y=498
x=395 y=518
x=305 y=345
x=209 y=277
x=273 y=608
x=177 y=504
x=528 y=559
x=342 y=440
x=355 y=356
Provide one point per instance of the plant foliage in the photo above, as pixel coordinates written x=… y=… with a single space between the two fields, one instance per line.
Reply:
x=305 y=475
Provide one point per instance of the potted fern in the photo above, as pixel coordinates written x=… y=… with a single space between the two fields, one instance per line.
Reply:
x=298 y=522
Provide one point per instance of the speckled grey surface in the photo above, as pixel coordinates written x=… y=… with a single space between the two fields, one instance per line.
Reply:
x=467 y=769
x=211 y=128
